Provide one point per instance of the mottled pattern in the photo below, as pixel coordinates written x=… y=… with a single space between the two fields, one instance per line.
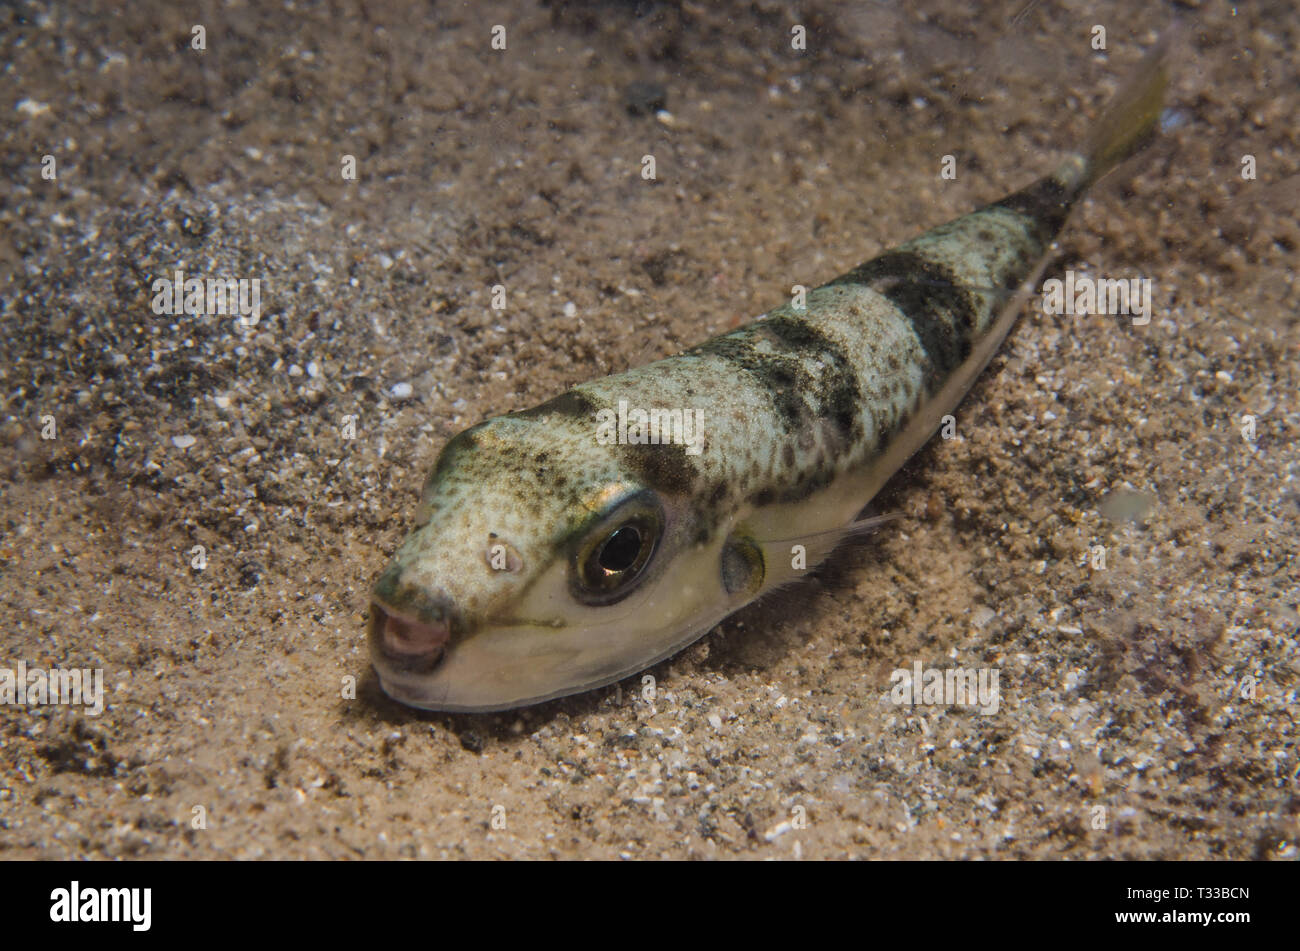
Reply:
x=796 y=421
x=842 y=376
x=523 y=480
x=1044 y=206
x=789 y=403
x=796 y=397
x=943 y=315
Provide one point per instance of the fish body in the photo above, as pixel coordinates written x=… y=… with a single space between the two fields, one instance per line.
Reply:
x=561 y=548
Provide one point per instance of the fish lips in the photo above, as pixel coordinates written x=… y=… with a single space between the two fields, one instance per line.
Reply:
x=406 y=643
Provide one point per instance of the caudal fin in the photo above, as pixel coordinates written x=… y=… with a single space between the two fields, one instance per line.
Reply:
x=1129 y=122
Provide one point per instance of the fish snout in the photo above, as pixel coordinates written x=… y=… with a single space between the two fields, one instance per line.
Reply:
x=410 y=624
x=405 y=642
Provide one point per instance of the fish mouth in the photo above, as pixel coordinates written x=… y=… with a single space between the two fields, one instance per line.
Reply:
x=405 y=643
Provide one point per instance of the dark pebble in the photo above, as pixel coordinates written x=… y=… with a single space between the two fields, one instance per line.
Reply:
x=250 y=573
x=644 y=98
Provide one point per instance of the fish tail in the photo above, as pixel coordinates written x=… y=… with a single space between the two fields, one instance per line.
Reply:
x=1126 y=126
x=1130 y=121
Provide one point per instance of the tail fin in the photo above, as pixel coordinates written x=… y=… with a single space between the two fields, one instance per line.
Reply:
x=1129 y=122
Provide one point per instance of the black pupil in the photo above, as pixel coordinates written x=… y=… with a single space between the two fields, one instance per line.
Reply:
x=621 y=549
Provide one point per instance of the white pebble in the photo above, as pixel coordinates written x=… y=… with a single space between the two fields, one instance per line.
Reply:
x=295 y=370
x=401 y=391
x=30 y=107
x=183 y=442
x=570 y=309
x=778 y=830
x=313 y=369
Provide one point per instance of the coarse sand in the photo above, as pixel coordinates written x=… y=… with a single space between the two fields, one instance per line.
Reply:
x=1111 y=528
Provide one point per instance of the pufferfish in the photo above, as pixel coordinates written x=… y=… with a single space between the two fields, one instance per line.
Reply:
x=564 y=547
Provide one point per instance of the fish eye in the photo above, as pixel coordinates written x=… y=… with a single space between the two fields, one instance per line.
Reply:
x=613 y=556
x=621 y=549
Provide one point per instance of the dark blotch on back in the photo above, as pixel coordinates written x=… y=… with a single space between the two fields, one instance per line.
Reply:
x=826 y=401
x=1046 y=204
x=801 y=400
x=838 y=392
x=778 y=374
x=666 y=468
x=943 y=313
x=462 y=444
x=574 y=404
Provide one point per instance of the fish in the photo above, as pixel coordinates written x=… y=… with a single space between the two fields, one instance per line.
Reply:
x=564 y=547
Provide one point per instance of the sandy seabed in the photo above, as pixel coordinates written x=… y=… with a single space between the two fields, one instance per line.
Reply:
x=1148 y=708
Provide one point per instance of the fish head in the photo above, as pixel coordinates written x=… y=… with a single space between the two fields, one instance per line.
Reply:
x=543 y=563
